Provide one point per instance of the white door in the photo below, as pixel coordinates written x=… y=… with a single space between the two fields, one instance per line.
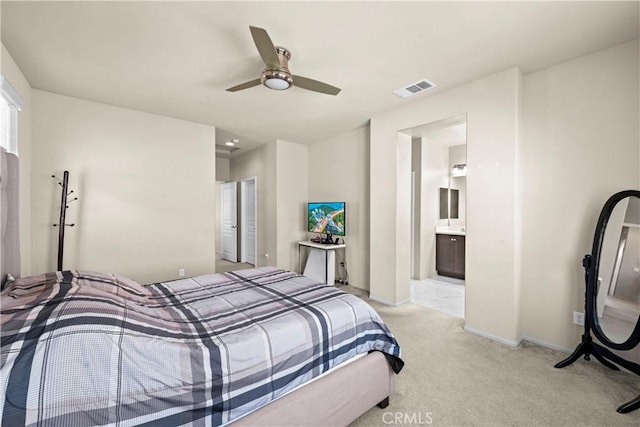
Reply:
x=229 y=222
x=248 y=228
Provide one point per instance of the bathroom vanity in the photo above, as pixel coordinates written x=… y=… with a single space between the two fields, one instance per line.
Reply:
x=450 y=252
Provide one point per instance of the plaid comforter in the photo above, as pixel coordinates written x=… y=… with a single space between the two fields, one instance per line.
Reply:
x=85 y=348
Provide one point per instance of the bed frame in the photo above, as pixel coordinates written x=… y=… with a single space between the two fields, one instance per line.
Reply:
x=335 y=399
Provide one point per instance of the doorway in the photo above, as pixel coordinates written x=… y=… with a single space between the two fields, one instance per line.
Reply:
x=248 y=223
x=438 y=214
x=236 y=219
x=229 y=219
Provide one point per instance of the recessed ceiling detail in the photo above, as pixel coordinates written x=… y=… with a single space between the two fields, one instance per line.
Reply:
x=414 y=88
x=225 y=151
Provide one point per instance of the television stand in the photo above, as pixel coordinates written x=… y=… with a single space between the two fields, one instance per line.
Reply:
x=313 y=267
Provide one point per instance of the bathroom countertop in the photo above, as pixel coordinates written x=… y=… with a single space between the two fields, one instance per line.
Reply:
x=452 y=230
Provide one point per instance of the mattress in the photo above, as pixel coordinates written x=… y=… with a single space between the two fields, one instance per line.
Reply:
x=87 y=348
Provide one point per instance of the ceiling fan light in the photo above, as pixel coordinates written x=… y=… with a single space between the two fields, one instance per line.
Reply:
x=279 y=79
x=277 y=83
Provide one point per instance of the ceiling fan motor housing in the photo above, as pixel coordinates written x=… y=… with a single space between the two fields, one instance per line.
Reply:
x=279 y=78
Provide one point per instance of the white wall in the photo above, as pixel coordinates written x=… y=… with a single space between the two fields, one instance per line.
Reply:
x=491 y=105
x=218 y=218
x=416 y=168
x=14 y=75
x=345 y=177
x=403 y=215
x=223 y=174
x=435 y=175
x=292 y=170
x=145 y=185
x=261 y=163
x=458 y=155
x=580 y=145
x=222 y=169
x=281 y=171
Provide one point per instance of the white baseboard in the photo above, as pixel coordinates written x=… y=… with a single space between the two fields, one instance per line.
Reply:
x=513 y=343
x=382 y=301
x=491 y=336
x=546 y=344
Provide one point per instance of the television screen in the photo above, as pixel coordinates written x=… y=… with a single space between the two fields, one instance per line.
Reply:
x=326 y=218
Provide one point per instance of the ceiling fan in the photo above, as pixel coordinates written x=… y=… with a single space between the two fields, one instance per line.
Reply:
x=276 y=75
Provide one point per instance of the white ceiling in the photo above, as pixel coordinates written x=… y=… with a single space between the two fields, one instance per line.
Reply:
x=177 y=58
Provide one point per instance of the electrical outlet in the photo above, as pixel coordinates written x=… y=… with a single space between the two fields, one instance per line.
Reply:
x=578 y=318
x=341 y=263
x=181 y=272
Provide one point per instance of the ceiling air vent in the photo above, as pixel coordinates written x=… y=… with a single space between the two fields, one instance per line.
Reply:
x=414 y=88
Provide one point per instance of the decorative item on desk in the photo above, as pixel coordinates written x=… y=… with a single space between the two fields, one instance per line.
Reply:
x=328 y=239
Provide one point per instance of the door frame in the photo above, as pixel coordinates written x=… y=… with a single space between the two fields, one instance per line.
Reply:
x=234 y=219
x=243 y=218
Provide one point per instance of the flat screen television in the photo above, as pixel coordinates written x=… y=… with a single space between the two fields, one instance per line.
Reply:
x=326 y=218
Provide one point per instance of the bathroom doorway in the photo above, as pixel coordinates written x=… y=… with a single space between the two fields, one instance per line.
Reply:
x=438 y=209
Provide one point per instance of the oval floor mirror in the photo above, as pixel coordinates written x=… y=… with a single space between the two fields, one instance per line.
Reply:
x=612 y=297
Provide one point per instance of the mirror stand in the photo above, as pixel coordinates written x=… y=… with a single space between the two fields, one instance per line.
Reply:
x=588 y=347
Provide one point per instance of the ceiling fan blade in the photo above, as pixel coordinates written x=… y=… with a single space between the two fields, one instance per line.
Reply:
x=315 y=85
x=265 y=47
x=245 y=85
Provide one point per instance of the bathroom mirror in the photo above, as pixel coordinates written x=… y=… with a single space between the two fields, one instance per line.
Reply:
x=615 y=313
x=449 y=203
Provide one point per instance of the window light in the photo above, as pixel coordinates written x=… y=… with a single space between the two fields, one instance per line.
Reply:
x=10 y=103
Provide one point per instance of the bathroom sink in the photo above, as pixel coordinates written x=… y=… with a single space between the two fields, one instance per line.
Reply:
x=456 y=230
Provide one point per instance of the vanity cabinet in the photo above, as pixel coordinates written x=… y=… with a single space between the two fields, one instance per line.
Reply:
x=450 y=255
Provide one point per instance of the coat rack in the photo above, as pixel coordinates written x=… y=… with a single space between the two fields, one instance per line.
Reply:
x=64 y=205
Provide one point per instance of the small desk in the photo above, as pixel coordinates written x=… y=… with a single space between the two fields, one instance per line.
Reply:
x=320 y=246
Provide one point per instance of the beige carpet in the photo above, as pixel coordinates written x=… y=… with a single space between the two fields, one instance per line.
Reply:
x=454 y=378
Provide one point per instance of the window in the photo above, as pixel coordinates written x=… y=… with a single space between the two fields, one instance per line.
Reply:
x=10 y=104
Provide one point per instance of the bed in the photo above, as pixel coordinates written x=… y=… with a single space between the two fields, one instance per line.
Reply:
x=253 y=347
